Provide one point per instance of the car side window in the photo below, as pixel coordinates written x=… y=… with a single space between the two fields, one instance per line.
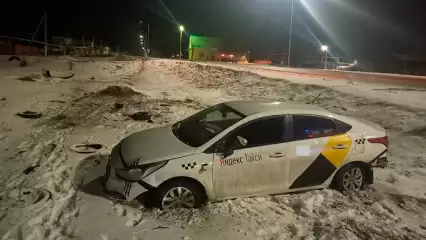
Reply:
x=259 y=133
x=308 y=127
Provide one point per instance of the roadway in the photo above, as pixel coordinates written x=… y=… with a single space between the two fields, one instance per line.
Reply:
x=394 y=79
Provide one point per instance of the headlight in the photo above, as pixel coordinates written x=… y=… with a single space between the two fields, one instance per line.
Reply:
x=137 y=173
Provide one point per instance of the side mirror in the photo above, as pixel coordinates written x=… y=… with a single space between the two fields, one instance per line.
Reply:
x=242 y=141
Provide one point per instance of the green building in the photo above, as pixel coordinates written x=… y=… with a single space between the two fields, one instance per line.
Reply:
x=204 y=48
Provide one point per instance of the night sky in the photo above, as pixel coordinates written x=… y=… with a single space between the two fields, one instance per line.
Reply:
x=368 y=30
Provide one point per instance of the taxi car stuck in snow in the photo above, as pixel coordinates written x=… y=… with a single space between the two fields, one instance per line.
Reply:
x=246 y=148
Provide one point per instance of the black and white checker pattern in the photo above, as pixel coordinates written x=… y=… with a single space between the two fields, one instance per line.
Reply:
x=360 y=141
x=189 y=165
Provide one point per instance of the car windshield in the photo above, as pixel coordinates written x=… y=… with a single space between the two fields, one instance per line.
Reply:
x=206 y=124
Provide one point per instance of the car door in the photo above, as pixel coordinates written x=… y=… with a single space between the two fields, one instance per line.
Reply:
x=259 y=167
x=319 y=150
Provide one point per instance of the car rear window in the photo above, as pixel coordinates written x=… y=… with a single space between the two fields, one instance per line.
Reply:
x=342 y=127
x=308 y=127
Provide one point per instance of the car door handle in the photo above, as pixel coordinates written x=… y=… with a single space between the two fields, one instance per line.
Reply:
x=340 y=146
x=277 y=155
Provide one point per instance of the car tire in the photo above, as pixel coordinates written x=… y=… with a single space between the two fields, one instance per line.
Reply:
x=29 y=114
x=172 y=188
x=350 y=178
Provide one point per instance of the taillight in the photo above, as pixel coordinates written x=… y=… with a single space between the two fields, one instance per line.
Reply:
x=382 y=140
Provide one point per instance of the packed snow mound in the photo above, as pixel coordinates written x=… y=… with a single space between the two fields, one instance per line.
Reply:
x=324 y=214
x=204 y=76
x=110 y=106
x=97 y=107
x=118 y=91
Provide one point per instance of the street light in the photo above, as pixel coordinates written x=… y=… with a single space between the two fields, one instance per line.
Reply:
x=291 y=29
x=324 y=48
x=180 y=43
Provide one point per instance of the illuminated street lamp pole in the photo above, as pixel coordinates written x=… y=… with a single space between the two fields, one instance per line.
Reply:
x=325 y=49
x=180 y=43
x=291 y=29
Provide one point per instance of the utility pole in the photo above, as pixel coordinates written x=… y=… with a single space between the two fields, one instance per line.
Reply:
x=45 y=34
x=147 y=40
x=65 y=43
x=325 y=62
x=93 y=46
x=181 y=28
x=291 y=29
x=324 y=48
x=35 y=34
x=180 y=45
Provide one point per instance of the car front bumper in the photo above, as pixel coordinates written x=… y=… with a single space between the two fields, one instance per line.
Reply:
x=113 y=183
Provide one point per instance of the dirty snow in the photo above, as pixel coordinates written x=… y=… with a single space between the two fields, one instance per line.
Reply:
x=408 y=94
x=47 y=191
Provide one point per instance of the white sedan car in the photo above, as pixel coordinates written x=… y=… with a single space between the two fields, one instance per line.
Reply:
x=246 y=148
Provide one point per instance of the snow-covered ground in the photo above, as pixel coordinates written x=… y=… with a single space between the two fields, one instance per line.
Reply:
x=47 y=191
x=401 y=92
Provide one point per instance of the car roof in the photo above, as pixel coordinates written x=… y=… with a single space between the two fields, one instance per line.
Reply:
x=253 y=106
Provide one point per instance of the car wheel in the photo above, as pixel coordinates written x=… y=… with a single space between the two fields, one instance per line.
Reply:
x=179 y=194
x=350 y=178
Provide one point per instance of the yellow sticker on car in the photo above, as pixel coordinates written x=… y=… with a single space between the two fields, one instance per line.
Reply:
x=331 y=158
x=337 y=149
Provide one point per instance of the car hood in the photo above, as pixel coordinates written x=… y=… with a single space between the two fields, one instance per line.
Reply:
x=153 y=145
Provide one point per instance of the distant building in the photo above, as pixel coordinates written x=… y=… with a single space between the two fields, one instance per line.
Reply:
x=7 y=47
x=68 y=45
x=204 y=48
x=19 y=47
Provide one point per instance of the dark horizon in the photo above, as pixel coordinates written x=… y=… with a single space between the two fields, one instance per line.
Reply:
x=368 y=31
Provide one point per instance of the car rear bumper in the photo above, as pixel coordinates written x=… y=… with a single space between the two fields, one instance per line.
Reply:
x=381 y=161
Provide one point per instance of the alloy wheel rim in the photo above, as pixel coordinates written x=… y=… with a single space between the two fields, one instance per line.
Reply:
x=352 y=179
x=178 y=197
